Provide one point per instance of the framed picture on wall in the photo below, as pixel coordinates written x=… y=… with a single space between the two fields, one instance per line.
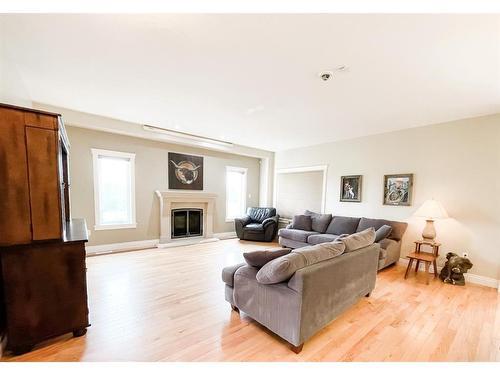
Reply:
x=398 y=189
x=350 y=188
x=185 y=172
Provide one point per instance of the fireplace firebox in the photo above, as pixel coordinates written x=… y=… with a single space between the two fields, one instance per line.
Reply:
x=187 y=222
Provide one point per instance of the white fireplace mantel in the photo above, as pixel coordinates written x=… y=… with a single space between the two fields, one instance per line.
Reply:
x=177 y=199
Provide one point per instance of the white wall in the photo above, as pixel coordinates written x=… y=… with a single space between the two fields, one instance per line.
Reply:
x=151 y=167
x=457 y=163
x=12 y=87
x=297 y=190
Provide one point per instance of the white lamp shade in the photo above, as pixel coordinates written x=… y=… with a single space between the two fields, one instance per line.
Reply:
x=432 y=209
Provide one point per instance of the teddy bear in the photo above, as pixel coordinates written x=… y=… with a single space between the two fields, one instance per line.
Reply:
x=454 y=268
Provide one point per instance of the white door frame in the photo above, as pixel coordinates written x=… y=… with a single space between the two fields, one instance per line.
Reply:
x=312 y=168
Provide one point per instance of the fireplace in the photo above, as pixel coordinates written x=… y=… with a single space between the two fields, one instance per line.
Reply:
x=173 y=200
x=187 y=222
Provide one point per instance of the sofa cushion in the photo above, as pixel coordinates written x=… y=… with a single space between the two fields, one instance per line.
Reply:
x=259 y=214
x=319 y=221
x=261 y=257
x=318 y=253
x=295 y=234
x=383 y=232
x=398 y=228
x=320 y=238
x=255 y=227
x=359 y=240
x=282 y=268
x=302 y=222
x=343 y=225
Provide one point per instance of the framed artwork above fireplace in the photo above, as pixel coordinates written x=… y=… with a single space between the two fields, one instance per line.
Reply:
x=185 y=172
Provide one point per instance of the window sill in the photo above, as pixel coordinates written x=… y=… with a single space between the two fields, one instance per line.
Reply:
x=117 y=226
x=228 y=220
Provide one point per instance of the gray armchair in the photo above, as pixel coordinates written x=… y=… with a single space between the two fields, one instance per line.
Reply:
x=259 y=224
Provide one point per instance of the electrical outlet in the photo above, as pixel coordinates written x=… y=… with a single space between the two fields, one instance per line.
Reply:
x=465 y=255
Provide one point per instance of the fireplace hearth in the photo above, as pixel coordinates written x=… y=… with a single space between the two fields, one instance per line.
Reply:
x=187 y=222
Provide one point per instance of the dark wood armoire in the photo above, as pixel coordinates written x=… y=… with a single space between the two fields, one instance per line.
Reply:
x=43 y=287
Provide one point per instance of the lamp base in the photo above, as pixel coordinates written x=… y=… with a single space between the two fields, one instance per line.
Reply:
x=429 y=232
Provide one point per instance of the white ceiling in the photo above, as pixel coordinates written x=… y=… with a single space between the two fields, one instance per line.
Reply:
x=252 y=79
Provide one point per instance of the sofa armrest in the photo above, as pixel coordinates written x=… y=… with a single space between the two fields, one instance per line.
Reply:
x=244 y=220
x=392 y=250
x=386 y=242
x=228 y=273
x=240 y=223
x=270 y=220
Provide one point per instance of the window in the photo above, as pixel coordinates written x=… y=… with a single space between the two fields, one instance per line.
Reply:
x=236 y=192
x=114 y=189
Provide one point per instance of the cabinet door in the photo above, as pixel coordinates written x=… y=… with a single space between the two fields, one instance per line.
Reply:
x=44 y=183
x=45 y=291
x=15 y=224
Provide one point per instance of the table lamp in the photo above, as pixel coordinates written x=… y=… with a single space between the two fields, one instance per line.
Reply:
x=431 y=210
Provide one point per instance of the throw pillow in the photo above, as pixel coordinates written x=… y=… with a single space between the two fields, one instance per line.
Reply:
x=281 y=269
x=359 y=240
x=302 y=222
x=383 y=232
x=319 y=221
x=261 y=257
x=323 y=251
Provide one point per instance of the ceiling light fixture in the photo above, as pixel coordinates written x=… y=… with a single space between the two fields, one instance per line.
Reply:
x=181 y=137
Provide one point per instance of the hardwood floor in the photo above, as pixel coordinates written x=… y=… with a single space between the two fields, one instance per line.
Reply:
x=168 y=305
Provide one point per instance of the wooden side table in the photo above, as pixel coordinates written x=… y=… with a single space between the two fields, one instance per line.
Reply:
x=423 y=256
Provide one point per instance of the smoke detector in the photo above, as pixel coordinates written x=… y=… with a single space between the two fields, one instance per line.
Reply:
x=326 y=75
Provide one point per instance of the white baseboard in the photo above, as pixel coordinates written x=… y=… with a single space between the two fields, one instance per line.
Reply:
x=120 y=247
x=470 y=277
x=225 y=235
x=186 y=242
x=148 y=244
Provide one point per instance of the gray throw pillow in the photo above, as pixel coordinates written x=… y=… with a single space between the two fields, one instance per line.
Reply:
x=319 y=221
x=261 y=257
x=281 y=269
x=359 y=240
x=302 y=222
x=383 y=232
x=323 y=251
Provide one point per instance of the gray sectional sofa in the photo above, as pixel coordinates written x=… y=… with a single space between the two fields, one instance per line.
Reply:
x=297 y=308
x=326 y=228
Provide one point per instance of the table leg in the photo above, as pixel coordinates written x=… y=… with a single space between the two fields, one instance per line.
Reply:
x=416 y=267
x=435 y=268
x=427 y=264
x=410 y=263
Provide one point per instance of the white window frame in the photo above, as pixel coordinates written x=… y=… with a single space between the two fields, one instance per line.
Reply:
x=116 y=154
x=244 y=192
